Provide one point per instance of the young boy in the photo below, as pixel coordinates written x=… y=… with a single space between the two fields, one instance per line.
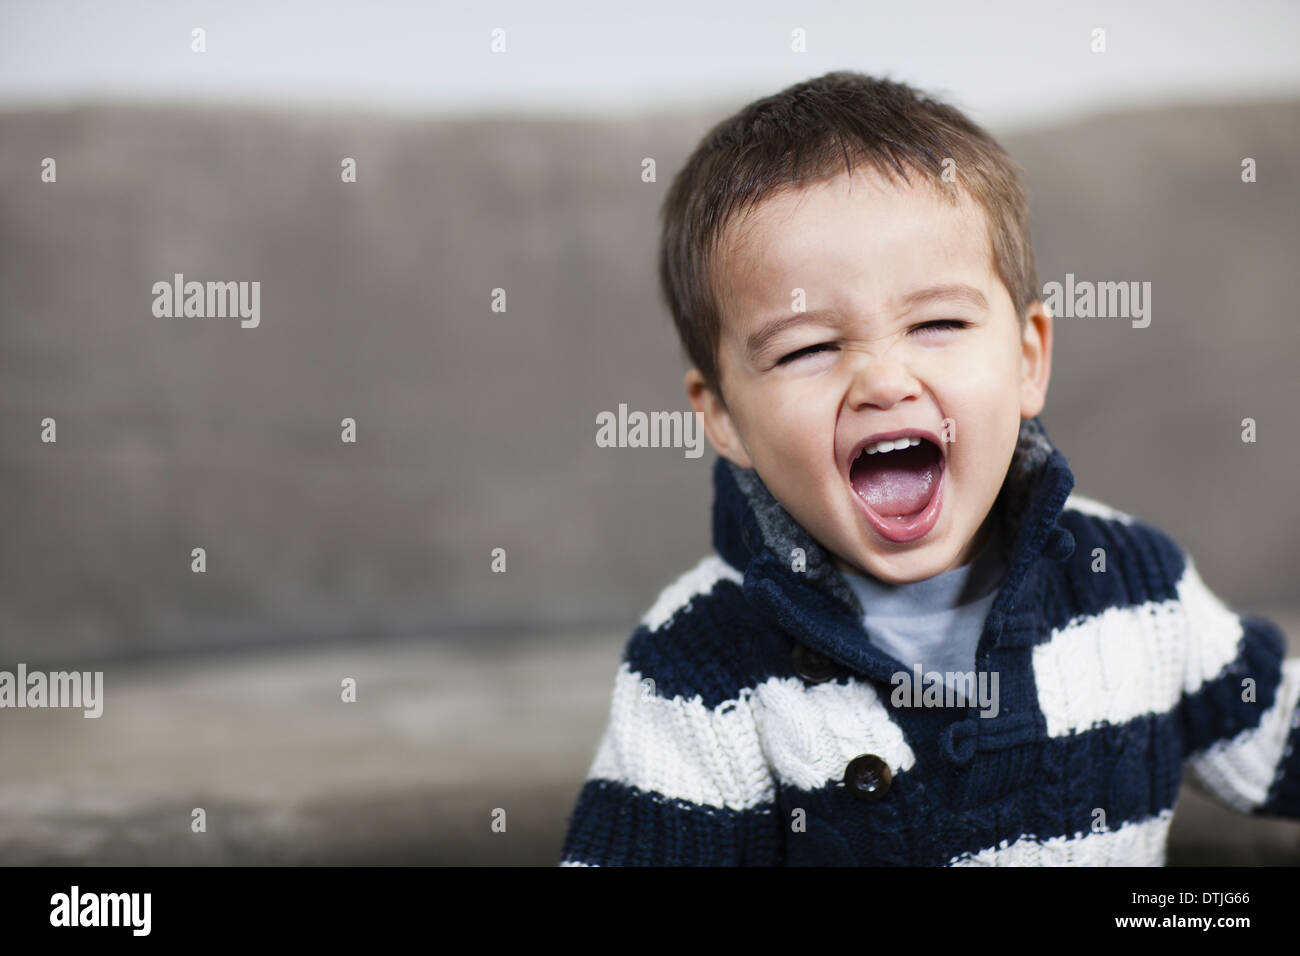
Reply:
x=912 y=645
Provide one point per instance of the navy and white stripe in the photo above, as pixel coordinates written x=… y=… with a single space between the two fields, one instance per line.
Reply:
x=1112 y=683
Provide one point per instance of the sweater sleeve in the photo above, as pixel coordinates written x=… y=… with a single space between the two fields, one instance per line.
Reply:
x=676 y=781
x=1240 y=706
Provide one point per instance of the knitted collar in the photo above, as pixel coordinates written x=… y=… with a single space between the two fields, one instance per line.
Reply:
x=752 y=531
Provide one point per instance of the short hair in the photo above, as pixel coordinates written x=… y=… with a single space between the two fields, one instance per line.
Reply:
x=809 y=133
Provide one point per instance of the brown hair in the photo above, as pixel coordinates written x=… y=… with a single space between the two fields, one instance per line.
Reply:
x=810 y=132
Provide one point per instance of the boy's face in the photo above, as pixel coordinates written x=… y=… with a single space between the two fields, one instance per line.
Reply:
x=878 y=360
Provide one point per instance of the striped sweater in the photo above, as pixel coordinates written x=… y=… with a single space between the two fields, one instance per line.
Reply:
x=754 y=723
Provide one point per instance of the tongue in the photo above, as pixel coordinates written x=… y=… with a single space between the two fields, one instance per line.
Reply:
x=897 y=483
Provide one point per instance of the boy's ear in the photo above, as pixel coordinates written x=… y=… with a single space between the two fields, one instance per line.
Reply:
x=718 y=426
x=1035 y=359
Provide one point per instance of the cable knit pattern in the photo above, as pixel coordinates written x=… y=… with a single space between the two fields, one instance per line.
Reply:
x=1117 y=669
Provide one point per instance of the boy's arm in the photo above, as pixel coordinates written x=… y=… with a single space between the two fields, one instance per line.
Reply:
x=675 y=782
x=1241 y=706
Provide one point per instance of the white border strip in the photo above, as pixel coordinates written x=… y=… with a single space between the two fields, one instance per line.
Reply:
x=1133 y=844
x=810 y=733
x=1112 y=667
x=681 y=749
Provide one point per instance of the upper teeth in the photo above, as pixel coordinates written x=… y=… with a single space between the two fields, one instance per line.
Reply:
x=891 y=444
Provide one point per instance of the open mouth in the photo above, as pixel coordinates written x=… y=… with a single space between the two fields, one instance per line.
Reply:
x=898 y=482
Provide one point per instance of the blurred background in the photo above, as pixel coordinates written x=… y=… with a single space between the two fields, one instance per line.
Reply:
x=475 y=429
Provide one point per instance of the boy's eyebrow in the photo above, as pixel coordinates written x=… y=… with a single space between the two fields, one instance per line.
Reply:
x=755 y=344
x=957 y=290
x=758 y=341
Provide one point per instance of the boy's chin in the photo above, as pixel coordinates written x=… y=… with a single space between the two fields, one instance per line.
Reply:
x=900 y=568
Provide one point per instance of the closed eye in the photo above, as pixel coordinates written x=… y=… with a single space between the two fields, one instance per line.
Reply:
x=810 y=350
x=938 y=325
x=942 y=324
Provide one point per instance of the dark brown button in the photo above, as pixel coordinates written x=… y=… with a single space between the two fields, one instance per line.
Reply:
x=813 y=667
x=868 y=777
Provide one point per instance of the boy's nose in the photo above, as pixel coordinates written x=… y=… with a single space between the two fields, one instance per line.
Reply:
x=882 y=381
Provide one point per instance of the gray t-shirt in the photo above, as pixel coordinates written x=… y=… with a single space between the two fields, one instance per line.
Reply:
x=937 y=622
